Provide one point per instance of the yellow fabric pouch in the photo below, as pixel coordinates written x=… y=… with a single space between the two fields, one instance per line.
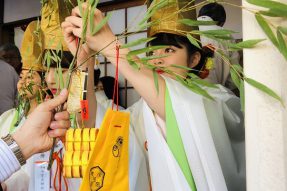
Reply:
x=108 y=167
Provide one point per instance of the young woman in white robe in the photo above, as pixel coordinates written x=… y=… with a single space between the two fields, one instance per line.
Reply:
x=14 y=118
x=211 y=131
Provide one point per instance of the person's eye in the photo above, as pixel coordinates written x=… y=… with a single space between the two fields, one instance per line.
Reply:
x=151 y=53
x=169 y=50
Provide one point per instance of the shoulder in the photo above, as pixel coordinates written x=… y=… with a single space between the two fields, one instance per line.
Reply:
x=7 y=69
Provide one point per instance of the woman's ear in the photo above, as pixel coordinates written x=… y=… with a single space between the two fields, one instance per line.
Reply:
x=194 y=59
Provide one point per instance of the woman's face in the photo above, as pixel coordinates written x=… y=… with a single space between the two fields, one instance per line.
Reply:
x=175 y=56
x=53 y=79
x=29 y=84
x=99 y=87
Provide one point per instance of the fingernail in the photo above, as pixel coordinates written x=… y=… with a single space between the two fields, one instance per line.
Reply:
x=52 y=125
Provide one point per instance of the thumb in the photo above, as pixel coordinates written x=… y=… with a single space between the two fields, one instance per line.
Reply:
x=53 y=103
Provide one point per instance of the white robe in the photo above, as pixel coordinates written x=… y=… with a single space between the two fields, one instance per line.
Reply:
x=213 y=137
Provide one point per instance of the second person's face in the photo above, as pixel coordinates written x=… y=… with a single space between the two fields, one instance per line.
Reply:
x=53 y=79
x=29 y=83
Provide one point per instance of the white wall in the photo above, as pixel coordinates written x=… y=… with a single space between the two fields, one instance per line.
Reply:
x=15 y=10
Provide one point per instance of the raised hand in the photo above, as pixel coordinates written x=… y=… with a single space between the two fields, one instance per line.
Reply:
x=72 y=28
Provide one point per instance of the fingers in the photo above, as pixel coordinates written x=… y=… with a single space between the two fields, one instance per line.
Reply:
x=62 y=121
x=53 y=103
x=72 y=27
x=64 y=115
x=57 y=133
x=73 y=21
x=62 y=124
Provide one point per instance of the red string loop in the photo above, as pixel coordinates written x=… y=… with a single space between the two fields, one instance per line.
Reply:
x=116 y=84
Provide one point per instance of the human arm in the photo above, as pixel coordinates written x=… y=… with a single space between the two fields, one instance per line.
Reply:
x=34 y=137
x=104 y=41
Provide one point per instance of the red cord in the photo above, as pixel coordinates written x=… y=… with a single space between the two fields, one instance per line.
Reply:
x=58 y=169
x=116 y=85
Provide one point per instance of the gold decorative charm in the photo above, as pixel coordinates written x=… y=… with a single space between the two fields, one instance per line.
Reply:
x=76 y=91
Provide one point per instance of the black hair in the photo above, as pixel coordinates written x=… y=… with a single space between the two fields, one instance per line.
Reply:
x=108 y=85
x=97 y=73
x=180 y=41
x=214 y=10
x=9 y=47
x=42 y=75
x=67 y=58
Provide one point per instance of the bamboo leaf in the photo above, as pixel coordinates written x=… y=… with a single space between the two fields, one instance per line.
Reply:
x=80 y=7
x=264 y=89
x=235 y=78
x=269 y=4
x=195 y=88
x=218 y=38
x=282 y=44
x=200 y=81
x=242 y=95
x=190 y=22
x=155 y=77
x=134 y=64
x=245 y=44
x=198 y=90
x=94 y=5
x=237 y=67
x=102 y=23
x=56 y=76
x=48 y=60
x=266 y=28
x=151 y=10
x=150 y=66
x=146 y=18
x=137 y=42
x=146 y=25
x=133 y=53
x=152 y=57
x=85 y=25
x=145 y=50
x=193 y=41
x=156 y=5
x=220 y=32
x=274 y=13
x=61 y=79
x=181 y=67
x=283 y=29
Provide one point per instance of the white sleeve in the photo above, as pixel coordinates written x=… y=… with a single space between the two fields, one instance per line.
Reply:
x=8 y=162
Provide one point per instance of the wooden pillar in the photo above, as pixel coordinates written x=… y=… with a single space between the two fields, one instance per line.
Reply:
x=266 y=118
